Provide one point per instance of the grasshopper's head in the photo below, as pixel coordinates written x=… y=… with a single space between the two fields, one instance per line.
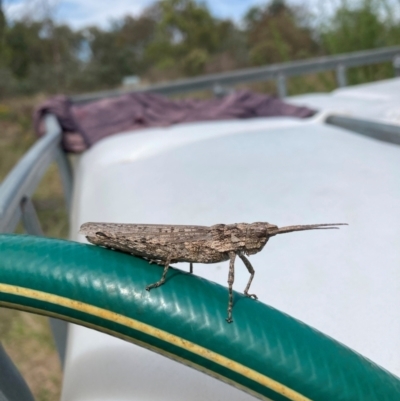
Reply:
x=257 y=236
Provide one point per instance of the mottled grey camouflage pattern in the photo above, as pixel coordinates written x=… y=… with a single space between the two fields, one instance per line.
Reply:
x=168 y=244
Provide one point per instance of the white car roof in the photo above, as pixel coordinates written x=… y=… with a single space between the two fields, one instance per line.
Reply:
x=377 y=100
x=345 y=283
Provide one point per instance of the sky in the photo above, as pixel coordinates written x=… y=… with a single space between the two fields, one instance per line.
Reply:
x=81 y=13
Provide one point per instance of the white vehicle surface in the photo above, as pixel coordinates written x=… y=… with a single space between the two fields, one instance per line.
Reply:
x=345 y=283
x=377 y=100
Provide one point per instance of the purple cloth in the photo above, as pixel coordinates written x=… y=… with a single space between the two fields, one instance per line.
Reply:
x=84 y=125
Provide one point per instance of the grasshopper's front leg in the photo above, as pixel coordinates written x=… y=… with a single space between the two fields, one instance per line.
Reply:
x=251 y=271
x=162 y=280
x=231 y=279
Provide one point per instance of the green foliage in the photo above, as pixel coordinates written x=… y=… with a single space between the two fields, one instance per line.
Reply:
x=356 y=28
x=176 y=38
x=18 y=42
x=195 y=61
x=2 y=29
x=275 y=34
x=119 y=51
x=186 y=33
x=361 y=25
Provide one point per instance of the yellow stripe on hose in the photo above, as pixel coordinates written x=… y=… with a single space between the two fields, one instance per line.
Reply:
x=157 y=333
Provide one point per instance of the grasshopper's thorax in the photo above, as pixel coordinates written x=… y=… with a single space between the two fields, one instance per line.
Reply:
x=241 y=237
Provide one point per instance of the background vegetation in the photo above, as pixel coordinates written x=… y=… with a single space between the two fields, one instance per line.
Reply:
x=175 y=38
x=170 y=39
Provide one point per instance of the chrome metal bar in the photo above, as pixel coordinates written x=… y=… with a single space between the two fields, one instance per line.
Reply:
x=377 y=130
x=65 y=170
x=23 y=179
x=341 y=77
x=11 y=224
x=59 y=328
x=30 y=219
x=61 y=158
x=396 y=65
x=270 y=72
x=12 y=385
x=281 y=85
x=221 y=91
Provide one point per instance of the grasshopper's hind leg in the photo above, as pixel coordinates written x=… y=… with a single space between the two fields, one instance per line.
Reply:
x=251 y=271
x=231 y=279
x=162 y=280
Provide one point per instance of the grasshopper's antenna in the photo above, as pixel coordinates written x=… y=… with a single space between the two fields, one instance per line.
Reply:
x=289 y=229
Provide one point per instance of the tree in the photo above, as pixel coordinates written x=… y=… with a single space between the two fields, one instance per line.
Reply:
x=275 y=33
x=119 y=51
x=357 y=28
x=186 y=36
x=367 y=25
x=2 y=26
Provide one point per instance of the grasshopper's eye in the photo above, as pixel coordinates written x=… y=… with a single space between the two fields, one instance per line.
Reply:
x=260 y=234
x=100 y=234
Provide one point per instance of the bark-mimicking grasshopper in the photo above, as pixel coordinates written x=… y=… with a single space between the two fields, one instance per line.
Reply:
x=168 y=244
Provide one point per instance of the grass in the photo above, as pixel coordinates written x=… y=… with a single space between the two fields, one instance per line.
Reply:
x=26 y=337
x=28 y=341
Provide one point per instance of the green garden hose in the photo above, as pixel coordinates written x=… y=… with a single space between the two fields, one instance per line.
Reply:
x=264 y=352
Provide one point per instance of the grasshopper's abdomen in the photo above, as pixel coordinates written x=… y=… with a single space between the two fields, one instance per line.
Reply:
x=154 y=249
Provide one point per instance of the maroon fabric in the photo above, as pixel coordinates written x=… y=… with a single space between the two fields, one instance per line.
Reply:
x=84 y=125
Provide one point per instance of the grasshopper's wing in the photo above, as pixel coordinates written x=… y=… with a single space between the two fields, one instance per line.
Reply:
x=148 y=232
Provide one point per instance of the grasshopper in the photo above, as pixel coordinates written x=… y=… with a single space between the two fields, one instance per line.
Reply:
x=166 y=244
